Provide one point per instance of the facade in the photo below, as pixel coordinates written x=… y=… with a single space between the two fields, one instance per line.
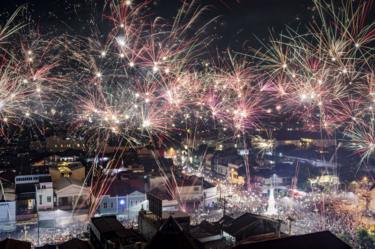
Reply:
x=7 y=216
x=108 y=233
x=149 y=222
x=44 y=193
x=71 y=194
x=210 y=195
x=24 y=179
x=192 y=191
x=25 y=202
x=123 y=198
x=234 y=175
x=57 y=144
x=167 y=202
x=26 y=206
x=125 y=205
x=249 y=226
x=220 y=169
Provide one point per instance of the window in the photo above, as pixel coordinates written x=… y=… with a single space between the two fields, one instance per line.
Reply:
x=196 y=188
x=111 y=204
x=49 y=199
x=105 y=205
x=40 y=200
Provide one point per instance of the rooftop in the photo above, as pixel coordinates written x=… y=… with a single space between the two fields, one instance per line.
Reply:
x=123 y=188
x=12 y=244
x=64 y=182
x=324 y=239
x=171 y=235
x=111 y=229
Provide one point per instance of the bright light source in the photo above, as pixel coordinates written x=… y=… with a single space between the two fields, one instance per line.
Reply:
x=121 y=41
x=146 y=123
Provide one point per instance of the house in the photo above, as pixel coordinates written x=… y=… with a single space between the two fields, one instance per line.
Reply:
x=44 y=193
x=108 y=232
x=220 y=168
x=324 y=239
x=7 y=215
x=123 y=198
x=28 y=187
x=207 y=163
x=209 y=235
x=71 y=193
x=235 y=175
x=189 y=190
x=249 y=225
x=171 y=235
x=149 y=222
x=210 y=195
x=25 y=202
x=168 y=202
x=221 y=160
x=13 y=244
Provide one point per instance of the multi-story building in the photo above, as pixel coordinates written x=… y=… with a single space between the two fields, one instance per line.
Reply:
x=26 y=189
x=44 y=193
x=58 y=144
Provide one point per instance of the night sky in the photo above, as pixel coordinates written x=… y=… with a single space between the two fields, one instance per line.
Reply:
x=240 y=24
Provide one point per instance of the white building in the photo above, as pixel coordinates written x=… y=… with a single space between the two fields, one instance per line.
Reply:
x=209 y=194
x=71 y=194
x=44 y=193
x=7 y=216
x=8 y=210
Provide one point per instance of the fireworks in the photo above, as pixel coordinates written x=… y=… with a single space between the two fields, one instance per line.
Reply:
x=142 y=80
x=362 y=140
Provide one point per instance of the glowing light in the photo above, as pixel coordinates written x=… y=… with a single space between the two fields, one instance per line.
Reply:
x=121 y=41
x=155 y=68
x=146 y=124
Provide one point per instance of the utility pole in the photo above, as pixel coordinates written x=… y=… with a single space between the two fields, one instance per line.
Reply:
x=224 y=207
